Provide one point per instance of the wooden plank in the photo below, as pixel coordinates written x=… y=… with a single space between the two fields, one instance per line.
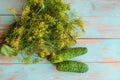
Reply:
x=97 y=71
x=96 y=27
x=4 y=20
x=101 y=27
x=5 y=4
x=99 y=50
x=96 y=7
x=82 y=7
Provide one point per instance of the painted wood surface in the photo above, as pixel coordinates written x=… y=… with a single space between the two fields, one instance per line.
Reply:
x=97 y=71
x=96 y=27
x=102 y=38
x=82 y=7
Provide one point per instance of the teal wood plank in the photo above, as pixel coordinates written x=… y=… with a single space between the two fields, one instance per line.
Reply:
x=96 y=27
x=97 y=71
x=101 y=27
x=6 y=19
x=96 y=7
x=5 y=4
x=82 y=7
x=99 y=50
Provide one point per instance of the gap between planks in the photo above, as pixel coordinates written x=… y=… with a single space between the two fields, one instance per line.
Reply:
x=80 y=16
x=51 y=63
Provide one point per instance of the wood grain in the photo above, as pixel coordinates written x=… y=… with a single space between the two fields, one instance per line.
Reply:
x=5 y=4
x=82 y=7
x=96 y=27
x=97 y=71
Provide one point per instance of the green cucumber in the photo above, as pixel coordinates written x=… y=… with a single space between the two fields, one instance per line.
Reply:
x=67 y=54
x=72 y=66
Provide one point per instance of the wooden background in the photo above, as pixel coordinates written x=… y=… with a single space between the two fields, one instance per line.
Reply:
x=102 y=38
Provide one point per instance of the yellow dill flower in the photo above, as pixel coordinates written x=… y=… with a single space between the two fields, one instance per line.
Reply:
x=63 y=36
x=41 y=3
x=15 y=43
x=62 y=44
x=26 y=11
x=63 y=15
x=30 y=39
x=20 y=30
x=60 y=58
x=36 y=1
x=41 y=41
x=53 y=54
x=12 y=9
x=7 y=40
x=36 y=32
x=44 y=53
x=42 y=24
x=80 y=23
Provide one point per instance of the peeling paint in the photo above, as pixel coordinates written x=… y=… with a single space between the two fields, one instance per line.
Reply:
x=7 y=59
x=1 y=70
x=95 y=41
x=80 y=60
x=5 y=25
x=12 y=77
x=104 y=48
x=56 y=78
x=95 y=76
x=6 y=64
x=115 y=64
x=110 y=59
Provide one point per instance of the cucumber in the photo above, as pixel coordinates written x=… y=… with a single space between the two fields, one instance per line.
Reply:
x=67 y=54
x=72 y=66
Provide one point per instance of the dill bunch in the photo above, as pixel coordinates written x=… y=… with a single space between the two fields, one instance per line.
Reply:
x=43 y=28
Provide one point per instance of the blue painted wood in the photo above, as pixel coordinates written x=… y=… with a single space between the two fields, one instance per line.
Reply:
x=7 y=19
x=96 y=7
x=82 y=7
x=96 y=27
x=97 y=71
x=5 y=4
x=101 y=27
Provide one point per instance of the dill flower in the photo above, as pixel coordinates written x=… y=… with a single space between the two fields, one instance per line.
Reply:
x=7 y=40
x=41 y=2
x=42 y=24
x=30 y=39
x=44 y=52
x=15 y=43
x=20 y=30
x=80 y=23
x=12 y=9
x=26 y=10
x=36 y=1
x=44 y=27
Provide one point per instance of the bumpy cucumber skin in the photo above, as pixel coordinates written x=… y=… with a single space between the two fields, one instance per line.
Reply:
x=72 y=66
x=67 y=54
